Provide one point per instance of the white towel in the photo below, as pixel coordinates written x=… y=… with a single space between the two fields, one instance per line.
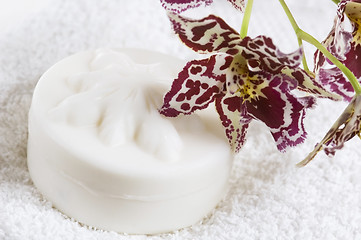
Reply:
x=269 y=198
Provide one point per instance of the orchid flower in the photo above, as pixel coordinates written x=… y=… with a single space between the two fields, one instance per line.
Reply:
x=345 y=46
x=178 y=6
x=248 y=79
x=346 y=127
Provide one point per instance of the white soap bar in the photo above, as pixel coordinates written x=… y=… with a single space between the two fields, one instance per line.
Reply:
x=101 y=152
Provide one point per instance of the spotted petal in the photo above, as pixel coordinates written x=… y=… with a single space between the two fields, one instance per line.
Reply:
x=346 y=127
x=344 y=45
x=238 y=4
x=207 y=35
x=178 y=6
x=262 y=54
x=308 y=83
x=337 y=82
x=353 y=56
x=196 y=86
x=339 y=39
x=281 y=111
x=234 y=120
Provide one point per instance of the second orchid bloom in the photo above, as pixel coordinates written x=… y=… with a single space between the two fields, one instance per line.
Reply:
x=248 y=79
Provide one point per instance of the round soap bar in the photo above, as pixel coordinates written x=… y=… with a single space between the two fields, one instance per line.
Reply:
x=99 y=150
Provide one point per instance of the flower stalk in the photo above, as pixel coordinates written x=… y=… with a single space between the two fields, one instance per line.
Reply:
x=296 y=28
x=246 y=19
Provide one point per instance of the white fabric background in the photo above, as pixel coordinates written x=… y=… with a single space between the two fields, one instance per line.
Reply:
x=268 y=198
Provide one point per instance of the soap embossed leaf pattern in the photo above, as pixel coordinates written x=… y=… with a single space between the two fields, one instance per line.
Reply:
x=247 y=78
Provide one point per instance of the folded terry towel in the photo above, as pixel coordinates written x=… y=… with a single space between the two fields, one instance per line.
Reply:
x=269 y=198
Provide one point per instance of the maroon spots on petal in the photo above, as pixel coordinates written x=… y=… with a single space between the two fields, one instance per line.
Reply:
x=210 y=34
x=235 y=123
x=271 y=53
x=169 y=112
x=204 y=85
x=207 y=96
x=238 y=4
x=194 y=88
x=181 y=97
x=259 y=42
x=227 y=63
x=190 y=91
x=298 y=76
x=253 y=46
x=232 y=51
x=196 y=70
x=269 y=43
x=178 y=6
x=199 y=31
x=274 y=67
x=189 y=83
x=248 y=55
x=233 y=103
x=253 y=63
x=276 y=81
x=185 y=106
x=336 y=82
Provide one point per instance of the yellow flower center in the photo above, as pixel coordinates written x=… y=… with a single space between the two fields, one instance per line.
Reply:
x=244 y=83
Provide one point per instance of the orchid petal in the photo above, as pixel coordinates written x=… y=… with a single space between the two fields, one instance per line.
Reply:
x=281 y=111
x=336 y=82
x=196 y=86
x=262 y=54
x=344 y=45
x=178 y=6
x=308 y=83
x=352 y=58
x=210 y=34
x=346 y=127
x=238 y=4
x=234 y=120
x=237 y=74
x=338 y=41
x=339 y=38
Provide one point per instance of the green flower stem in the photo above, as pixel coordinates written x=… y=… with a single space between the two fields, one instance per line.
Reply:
x=301 y=35
x=304 y=61
x=296 y=29
x=246 y=18
x=336 y=1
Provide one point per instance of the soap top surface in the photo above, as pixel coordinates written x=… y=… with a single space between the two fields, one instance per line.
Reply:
x=103 y=106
